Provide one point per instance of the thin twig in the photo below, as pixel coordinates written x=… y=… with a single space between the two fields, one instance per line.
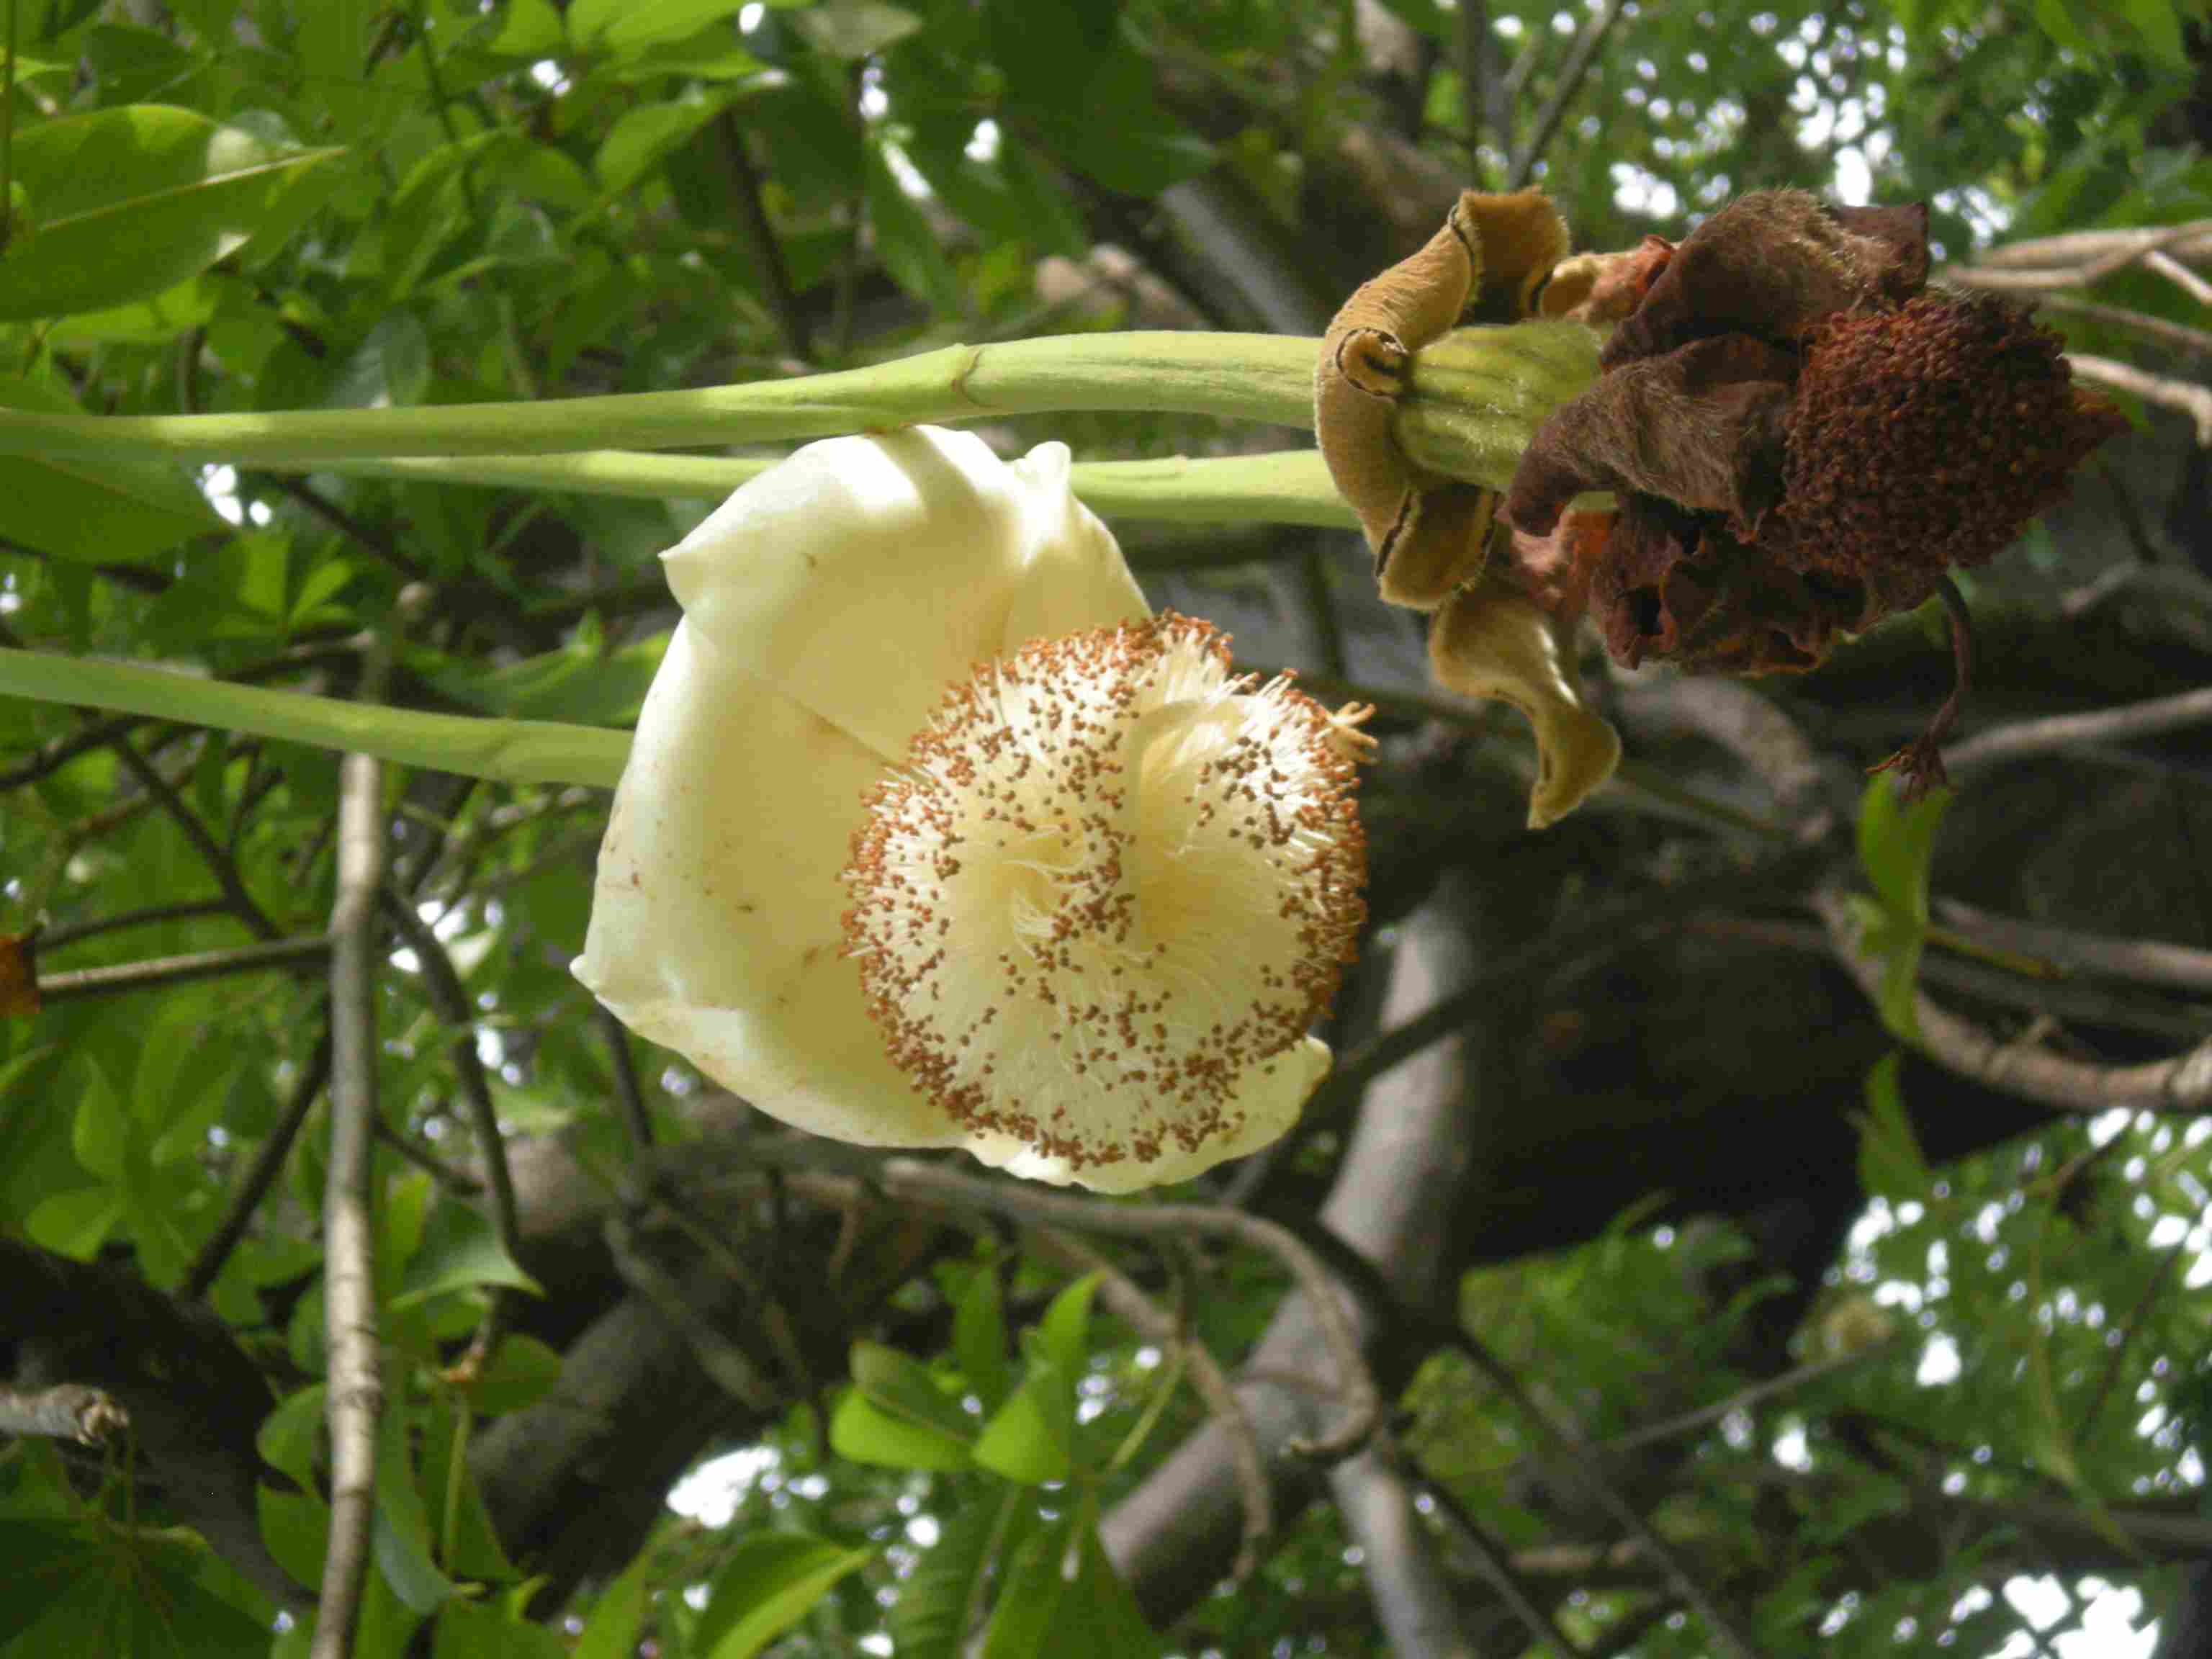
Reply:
x=220 y=864
x=182 y=970
x=1721 y=1624
x=2142 y=961
x=2189 y=397
x=2182 y=1083
x=1562 y=94
x=68 y=1411
x=452 y=1003
x=371 y=541
x=2054 y=733
x=152 y=915
x=450 y=1177
x=1519 y=1600
x=898 y=1177
x=356 y=1391
x=2159 y=330
x=1129 y=1304
x=260 y=1176
x=628 y=1095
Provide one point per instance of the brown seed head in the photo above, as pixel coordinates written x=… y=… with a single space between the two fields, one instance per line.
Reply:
x=1927 y=436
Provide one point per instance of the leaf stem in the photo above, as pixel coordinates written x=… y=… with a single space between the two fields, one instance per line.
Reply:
x=1285 y=487
x=504 y=750
x=1477 y=399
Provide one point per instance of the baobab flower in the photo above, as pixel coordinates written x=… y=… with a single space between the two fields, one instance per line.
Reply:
x=932 y=836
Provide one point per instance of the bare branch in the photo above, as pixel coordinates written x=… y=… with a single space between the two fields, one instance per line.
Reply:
x=220 y=864
x=2179 y=274
x=1360 y=1403
x=152 y=915
x=68 y=1411
x=2183 y=1083
x=356 y=1391
x=452 y=1002
x=179 y=971
x=1571 y=79
x=2100 y=251
x=2143 y=961
x=628 y=1095
x=2191 y=398
x=1413 y=1601
x=2130 y=723
x=1498 y=1567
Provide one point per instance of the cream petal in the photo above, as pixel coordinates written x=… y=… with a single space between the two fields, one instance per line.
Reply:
x=864 y=575
x=1270 y=1095
x=1076 y=577
x=716 y=916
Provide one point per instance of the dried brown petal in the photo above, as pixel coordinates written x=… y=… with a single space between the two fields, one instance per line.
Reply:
x=1600 y=290
x=1702 y=427
x=1770 y=265
x=1492 y=641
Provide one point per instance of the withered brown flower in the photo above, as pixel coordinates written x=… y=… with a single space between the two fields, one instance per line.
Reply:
x=1801 y=441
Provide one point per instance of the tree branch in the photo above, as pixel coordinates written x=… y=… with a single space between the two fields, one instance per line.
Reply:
x=220 y=864
x=1571 y=81
x=69 y=1410
x=452 y=1003
x=2189 y=397
x=2183 y=1083
x=2143 y=961
x=356 y=1393
x=180 y=970
x=2055 y=734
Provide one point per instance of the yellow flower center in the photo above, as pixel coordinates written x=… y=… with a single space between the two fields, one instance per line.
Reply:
x=1111 y=880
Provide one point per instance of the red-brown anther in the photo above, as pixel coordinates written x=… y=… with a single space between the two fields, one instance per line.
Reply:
x=1800 y=443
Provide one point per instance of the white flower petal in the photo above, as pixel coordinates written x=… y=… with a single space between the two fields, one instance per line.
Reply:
x=864 y=575
x=1269 y=1098
x=716 y=916
x=1075 y=578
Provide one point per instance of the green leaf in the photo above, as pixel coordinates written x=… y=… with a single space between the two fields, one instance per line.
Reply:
x=401 y=1532
x=520 y=1373
x=460 y=1251
x=295 y=1526
x=1897 y=845
x=901 y=1386
x=468 y=1544
x=90 y=1586
x=469 y=1630
x=1062 y=1597
x=1028 y=1439
x=865 y=1435
x=75 y=1224
x=979 y=1336
x=1891 y=1162
x=611 y=1630
x=100 y=1134
x=626 y=26
x=765 y=1587
x=118 y=508
x=390 y=368
x=929 y=1620
x=1031 y=1439
x=177 y=189
x=642 y=137
x=291 y=1434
